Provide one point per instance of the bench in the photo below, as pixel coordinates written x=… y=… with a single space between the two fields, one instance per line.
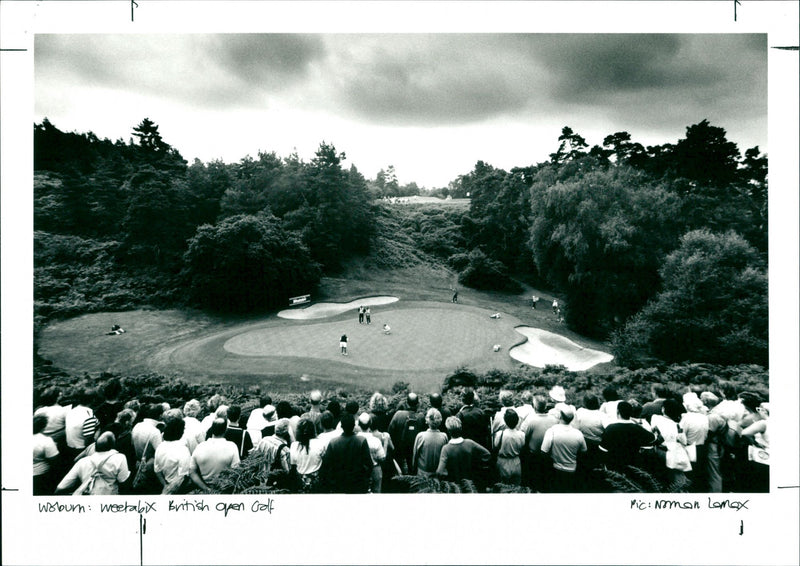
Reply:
x=299 y=300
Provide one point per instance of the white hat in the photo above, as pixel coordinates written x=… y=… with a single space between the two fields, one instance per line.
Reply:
x=557 y=393
x=269 y=413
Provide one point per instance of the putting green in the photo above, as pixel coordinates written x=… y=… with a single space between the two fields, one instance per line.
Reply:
x=428 y=340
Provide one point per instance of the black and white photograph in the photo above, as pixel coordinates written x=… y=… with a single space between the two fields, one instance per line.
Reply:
x=302 y=270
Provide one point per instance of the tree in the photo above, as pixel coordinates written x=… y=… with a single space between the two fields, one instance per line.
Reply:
x=599 y=236
x=713 y=306
x=247 y=263
x=334 y=218
x=572 y=146
x=705 y=156
x=154 y=151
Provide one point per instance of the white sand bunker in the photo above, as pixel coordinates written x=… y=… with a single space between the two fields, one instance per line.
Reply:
x=324 y=310
x=546 y=348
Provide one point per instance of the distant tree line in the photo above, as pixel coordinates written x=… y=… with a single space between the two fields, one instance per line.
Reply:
x=661 y=249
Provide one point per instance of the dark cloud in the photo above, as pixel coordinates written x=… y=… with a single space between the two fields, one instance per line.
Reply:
x=266 y=59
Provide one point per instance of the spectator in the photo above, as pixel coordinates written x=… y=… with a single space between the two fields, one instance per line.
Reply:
x=56 y=419
x=193 y=432
x=506 y=399
x=329 y=430
x=107 y=411
x=525 y=409
x=276 y=447
x=241 y=438
x=403 y=429
x=666 y=425
x=352 y=408
x=694 y=424
x=284 y=410
x=757 y=435
x=45 y=454
x=80 y=425
x=56 y=416
x=103 y=471
x=462 y=458
x=623 y=439
x=305 y=456
x=474 y=422
x=314 y=413
x=146 y=436
x=214 y=402
x=213 y=456
x=509 y=441
x=590 y=420
x=256 y=422
x=347 y=465
x=376 y=452
x=336 y=410
x=436 y=402
x=271 y=418
x=428 y=445
x=379 y=411
x=609 y=406
x=715 y=442
x=173 y=461
x=122 y=428
x=660 y=394
x=564 y=442
x=537 y=467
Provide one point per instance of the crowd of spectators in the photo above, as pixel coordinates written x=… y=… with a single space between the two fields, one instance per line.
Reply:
x=540 y=440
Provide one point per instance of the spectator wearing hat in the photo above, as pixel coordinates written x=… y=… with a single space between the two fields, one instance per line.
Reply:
x=376 y=452
x=428 y=445
x=347 y=465
x=537 y=466
x=475 y=424
x=557 y=395
x=270 y=418
x=564 y=442
x=462 y=458
x=213 y=456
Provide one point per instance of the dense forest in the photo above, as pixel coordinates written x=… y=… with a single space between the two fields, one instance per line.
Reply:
x=661 y=249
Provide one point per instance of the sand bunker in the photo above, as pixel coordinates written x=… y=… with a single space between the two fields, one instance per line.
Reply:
x=545 y=348
x=324 y=310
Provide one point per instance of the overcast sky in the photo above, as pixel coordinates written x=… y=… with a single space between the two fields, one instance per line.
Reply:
x=429 y=104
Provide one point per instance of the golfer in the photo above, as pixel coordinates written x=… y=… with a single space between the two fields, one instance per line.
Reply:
x=386 y=329
x=343 y=344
